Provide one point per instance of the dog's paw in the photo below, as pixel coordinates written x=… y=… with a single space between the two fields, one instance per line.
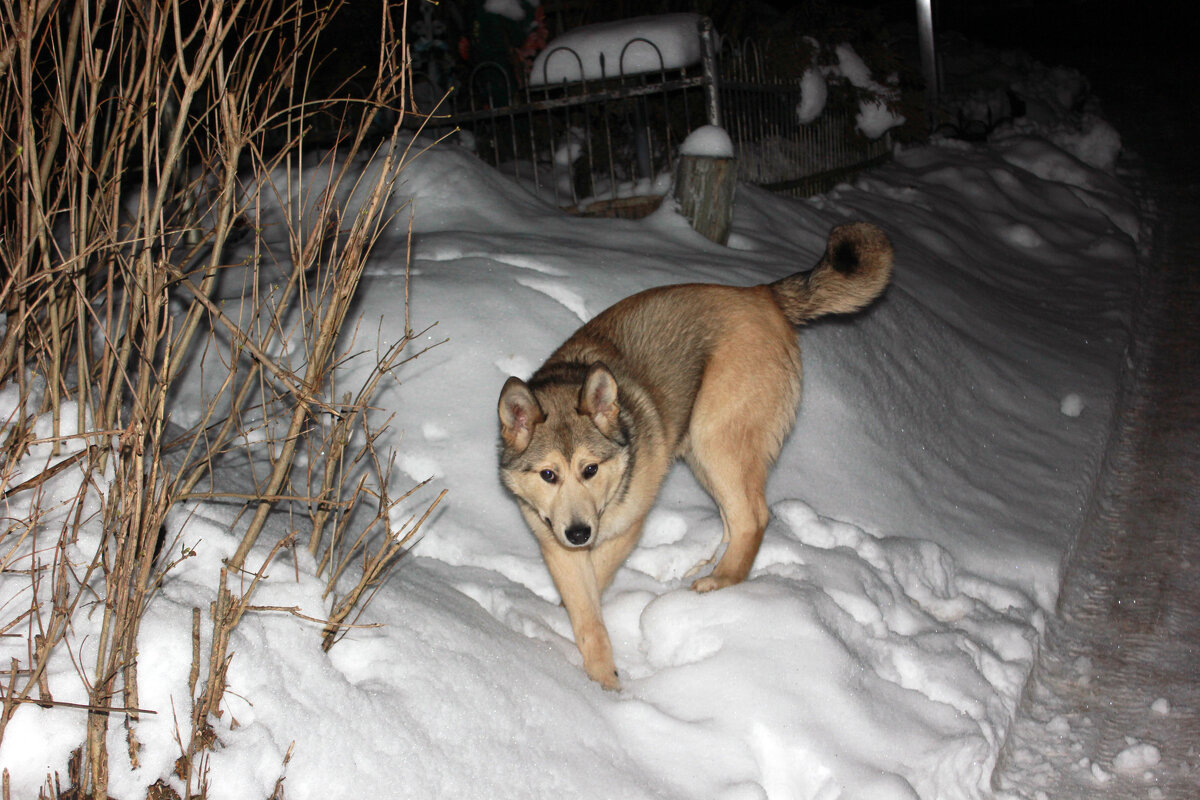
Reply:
x=609 y=680
x=711 y=583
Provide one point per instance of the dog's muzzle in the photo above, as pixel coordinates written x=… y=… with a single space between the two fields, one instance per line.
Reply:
x=578 y=534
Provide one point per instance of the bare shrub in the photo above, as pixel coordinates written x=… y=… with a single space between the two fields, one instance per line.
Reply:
x=139 y=140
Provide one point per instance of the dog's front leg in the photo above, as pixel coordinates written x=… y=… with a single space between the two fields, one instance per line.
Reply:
x=576 y=581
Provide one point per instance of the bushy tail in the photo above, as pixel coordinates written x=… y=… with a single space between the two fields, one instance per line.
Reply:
x=854 y=271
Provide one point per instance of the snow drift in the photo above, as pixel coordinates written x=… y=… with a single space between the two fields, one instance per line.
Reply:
x=944 y=448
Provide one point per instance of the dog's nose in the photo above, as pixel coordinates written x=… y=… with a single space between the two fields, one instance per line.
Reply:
x=578 y=534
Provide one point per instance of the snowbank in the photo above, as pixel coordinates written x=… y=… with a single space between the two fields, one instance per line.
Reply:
x=1009 y=94
x=920 y=512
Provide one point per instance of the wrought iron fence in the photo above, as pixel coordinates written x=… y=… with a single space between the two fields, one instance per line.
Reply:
x=607 y=144
x=774 y=150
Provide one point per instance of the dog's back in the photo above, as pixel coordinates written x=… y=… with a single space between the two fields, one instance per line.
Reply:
x=664 y=339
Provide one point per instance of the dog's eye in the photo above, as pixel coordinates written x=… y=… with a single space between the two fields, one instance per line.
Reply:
x=548 y=475
x=590 y=471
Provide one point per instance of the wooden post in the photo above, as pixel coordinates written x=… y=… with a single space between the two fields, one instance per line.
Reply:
x=705 y=180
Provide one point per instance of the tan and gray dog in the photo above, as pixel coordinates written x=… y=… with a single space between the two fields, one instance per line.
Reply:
x=707 y=372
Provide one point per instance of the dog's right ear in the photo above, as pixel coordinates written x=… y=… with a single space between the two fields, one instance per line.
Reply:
x=519 y=414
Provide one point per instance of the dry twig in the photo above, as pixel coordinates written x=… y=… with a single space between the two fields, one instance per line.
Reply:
x=137 y=141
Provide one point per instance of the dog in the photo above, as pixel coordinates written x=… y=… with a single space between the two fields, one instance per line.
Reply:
x=703 y=371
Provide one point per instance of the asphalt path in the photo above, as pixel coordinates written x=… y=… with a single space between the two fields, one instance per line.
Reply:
x=1113 y=709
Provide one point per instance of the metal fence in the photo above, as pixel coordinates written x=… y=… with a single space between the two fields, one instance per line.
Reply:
x=607 y=145
x=774 y=150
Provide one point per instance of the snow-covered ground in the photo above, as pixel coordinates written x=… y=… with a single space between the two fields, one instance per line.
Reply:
x=922 y=508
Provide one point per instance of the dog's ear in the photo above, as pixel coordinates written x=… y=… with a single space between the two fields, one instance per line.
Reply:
x=598 y=399
x=519 y=414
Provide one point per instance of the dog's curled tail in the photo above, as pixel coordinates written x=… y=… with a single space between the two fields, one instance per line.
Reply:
x=854 y=271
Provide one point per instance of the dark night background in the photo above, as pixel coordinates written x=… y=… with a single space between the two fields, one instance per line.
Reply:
x=1138 y=55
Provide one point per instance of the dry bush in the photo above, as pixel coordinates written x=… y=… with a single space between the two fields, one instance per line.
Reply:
x=138 y=141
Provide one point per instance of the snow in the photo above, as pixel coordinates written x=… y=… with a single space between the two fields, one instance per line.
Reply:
x=1072 y=405
x=874 y=118
x=1136 y=757
x=921 y=511
x=516 y=10
x=875 y=115
x=627 y=47
x=1054 y=101
x=709 y=141
x=813 y=94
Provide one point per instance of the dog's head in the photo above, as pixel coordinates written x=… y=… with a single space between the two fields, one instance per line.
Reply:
x=564 y=452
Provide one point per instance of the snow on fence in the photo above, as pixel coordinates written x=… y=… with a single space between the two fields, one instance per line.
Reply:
x=774 y=149
x=596 y=127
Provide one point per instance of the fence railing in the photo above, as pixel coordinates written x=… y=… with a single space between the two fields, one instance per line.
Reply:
x=774 y=150
x=607 y=144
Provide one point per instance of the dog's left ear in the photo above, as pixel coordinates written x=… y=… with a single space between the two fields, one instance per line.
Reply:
x=598 y=399
x=519 y=414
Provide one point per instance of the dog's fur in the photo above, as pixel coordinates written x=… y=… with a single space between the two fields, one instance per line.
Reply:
x=710 y=373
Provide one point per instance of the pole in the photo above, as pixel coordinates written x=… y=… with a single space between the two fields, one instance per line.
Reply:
x=928 y=56
x=708 y=59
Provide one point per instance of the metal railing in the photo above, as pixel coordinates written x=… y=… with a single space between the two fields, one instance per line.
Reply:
x=774 y=150
x=608 y=144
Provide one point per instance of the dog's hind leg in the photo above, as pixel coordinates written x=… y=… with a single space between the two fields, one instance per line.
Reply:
x=744 y=410
x=575 y=578
x=731 y=459
x=744 y=516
